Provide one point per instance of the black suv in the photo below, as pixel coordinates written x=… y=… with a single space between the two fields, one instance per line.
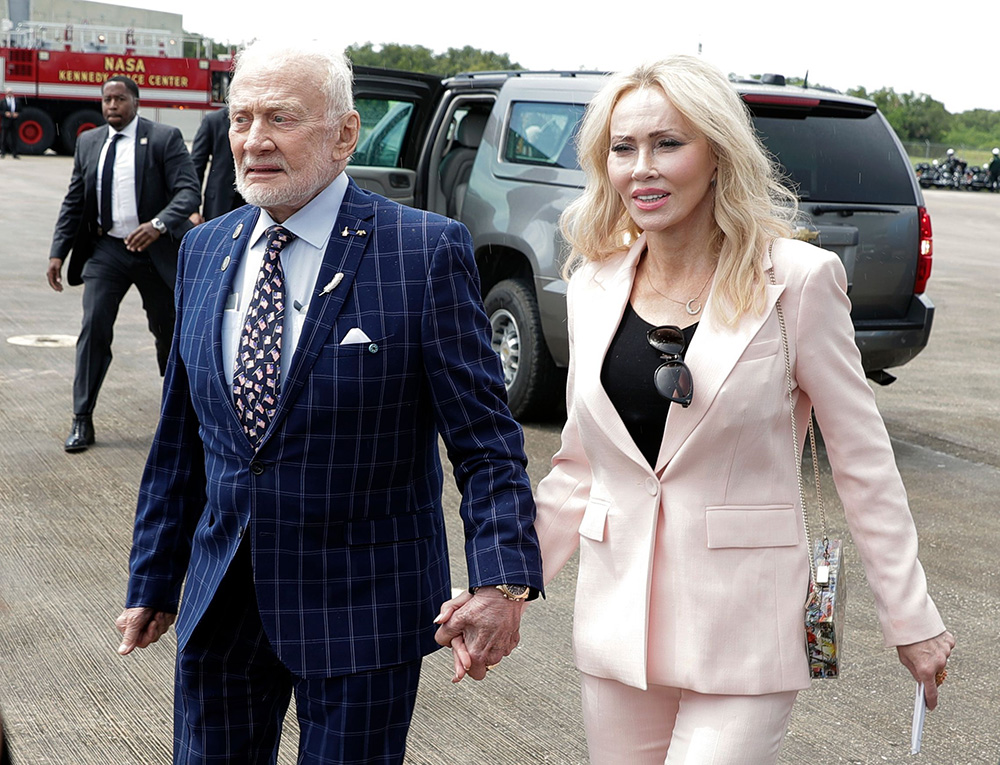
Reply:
x=496 y=150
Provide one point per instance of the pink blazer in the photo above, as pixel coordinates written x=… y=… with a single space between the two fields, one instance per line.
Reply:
x=694 y=574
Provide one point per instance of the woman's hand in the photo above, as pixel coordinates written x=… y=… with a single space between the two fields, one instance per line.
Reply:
x=459 y=653
x=926 y=661
x=451 y=606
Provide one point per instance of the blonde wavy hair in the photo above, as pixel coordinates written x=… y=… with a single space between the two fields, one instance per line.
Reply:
x=752 y=205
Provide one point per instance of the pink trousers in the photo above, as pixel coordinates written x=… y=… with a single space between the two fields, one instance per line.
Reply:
x=673 y=726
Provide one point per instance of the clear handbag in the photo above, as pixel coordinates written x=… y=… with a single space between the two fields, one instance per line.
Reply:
x=827 y=595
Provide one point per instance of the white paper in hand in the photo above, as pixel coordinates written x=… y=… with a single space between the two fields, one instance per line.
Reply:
x=919 y=712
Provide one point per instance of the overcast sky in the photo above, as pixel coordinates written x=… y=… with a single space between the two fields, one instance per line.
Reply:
x=874 y=43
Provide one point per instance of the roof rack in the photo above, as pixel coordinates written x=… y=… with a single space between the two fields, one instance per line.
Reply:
x=522 y=72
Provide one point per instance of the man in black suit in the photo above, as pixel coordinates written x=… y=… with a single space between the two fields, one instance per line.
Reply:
x=8 y=124
x=212 y=142
x=132 y=190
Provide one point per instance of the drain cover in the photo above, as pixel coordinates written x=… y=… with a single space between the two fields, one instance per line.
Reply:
x=43 y=341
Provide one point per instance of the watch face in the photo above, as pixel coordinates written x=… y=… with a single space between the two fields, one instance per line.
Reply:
x=514 y=591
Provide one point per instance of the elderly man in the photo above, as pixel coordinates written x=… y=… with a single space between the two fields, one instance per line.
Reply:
x=324 y=338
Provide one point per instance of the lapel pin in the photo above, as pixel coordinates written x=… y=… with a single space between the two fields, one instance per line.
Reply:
x=143 y=141
x=238 y=231
x=357 y=232
x=361 y=232
x=332 y=284
x=344 y=232
x=225 y=262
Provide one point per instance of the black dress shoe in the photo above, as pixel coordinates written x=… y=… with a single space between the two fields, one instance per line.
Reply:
x=81 y=435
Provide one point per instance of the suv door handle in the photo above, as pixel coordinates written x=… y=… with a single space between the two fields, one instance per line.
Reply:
x=399 y=180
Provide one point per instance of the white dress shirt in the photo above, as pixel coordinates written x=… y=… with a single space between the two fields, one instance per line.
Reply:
x=300 y=262
x=124 y=205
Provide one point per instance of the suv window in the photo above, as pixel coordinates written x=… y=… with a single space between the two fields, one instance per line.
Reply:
x=839 y=158
x=383 y=128
x=543 y=134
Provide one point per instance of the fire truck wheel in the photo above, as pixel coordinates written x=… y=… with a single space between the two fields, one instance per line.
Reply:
x=35 y=131
x=75 y=124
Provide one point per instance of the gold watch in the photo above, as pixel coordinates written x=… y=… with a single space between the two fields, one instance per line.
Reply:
x=515 y=592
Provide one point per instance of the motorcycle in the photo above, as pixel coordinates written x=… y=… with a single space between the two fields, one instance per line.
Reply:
x=927 y=174
x=977 y=178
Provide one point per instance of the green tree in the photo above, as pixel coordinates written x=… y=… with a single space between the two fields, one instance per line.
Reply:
x=914 y=117
x=975 y=128
x=417 y=58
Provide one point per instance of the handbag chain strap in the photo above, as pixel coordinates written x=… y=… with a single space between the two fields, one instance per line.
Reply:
x=795 y=437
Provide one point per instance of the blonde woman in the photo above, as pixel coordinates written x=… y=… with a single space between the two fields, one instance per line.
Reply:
x=675 y=477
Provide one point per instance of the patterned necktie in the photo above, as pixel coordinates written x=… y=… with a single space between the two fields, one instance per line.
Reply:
x=107 y=182
x=257 y=378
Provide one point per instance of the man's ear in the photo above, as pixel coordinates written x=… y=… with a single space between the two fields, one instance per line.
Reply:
x=346 y=138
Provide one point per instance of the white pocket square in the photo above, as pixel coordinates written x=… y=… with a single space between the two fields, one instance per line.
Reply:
x=354 y=336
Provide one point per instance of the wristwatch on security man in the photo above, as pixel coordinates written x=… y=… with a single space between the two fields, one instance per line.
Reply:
x=159 y=225
x=516 y=592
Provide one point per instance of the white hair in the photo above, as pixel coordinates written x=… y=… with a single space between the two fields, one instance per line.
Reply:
x=272 y=55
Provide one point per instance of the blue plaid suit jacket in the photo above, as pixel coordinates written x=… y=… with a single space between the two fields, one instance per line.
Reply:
x=342 y=497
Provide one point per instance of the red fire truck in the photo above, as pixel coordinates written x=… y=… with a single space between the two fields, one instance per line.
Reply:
x=59 y=69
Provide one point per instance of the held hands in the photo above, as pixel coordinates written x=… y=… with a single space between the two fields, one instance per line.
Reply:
x=926 y=661
x=481 y=629
x=142 y=237
x=141 y=627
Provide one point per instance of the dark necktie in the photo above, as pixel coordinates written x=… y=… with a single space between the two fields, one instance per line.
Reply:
x=107 y=183
x=257 y=378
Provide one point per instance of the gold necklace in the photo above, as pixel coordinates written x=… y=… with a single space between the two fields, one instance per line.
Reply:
x=692 y=306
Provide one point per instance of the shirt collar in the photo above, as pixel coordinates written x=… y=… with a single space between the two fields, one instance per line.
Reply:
x=128 y=131
x=314 y=222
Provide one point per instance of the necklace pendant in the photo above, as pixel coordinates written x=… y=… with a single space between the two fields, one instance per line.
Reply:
x=693 y=307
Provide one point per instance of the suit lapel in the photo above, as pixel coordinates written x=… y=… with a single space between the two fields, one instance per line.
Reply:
x=141 y=147
x=333 y=286
x=223 y=271
x=91 y=160
x=599 y=320
x=713 y=353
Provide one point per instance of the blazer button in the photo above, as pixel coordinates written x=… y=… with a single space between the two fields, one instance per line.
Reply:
x=239 y=534
x=257 y=468
x=652 y=487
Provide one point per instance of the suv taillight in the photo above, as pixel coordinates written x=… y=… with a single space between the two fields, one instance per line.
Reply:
x=926 y=255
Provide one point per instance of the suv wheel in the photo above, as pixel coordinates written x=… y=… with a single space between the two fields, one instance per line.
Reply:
x=530 y=375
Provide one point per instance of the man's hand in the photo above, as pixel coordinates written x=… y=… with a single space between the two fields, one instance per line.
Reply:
x=196 y=218
x=141 y=627
x=54 y=274
x=481 y=631
x=141 y=238
x=927 y=659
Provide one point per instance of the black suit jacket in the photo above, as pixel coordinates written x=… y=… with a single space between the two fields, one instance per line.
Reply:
x=212 y=141
x=18 y=106
x=165 y=188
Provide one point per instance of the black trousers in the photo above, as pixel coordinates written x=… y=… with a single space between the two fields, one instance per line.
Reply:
x=8 y=141
x=107 y=276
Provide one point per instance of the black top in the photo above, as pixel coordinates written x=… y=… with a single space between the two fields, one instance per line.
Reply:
x=627 y=377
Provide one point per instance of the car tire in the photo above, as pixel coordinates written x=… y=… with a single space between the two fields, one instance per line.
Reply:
x=535 y=386
x=36 y=131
